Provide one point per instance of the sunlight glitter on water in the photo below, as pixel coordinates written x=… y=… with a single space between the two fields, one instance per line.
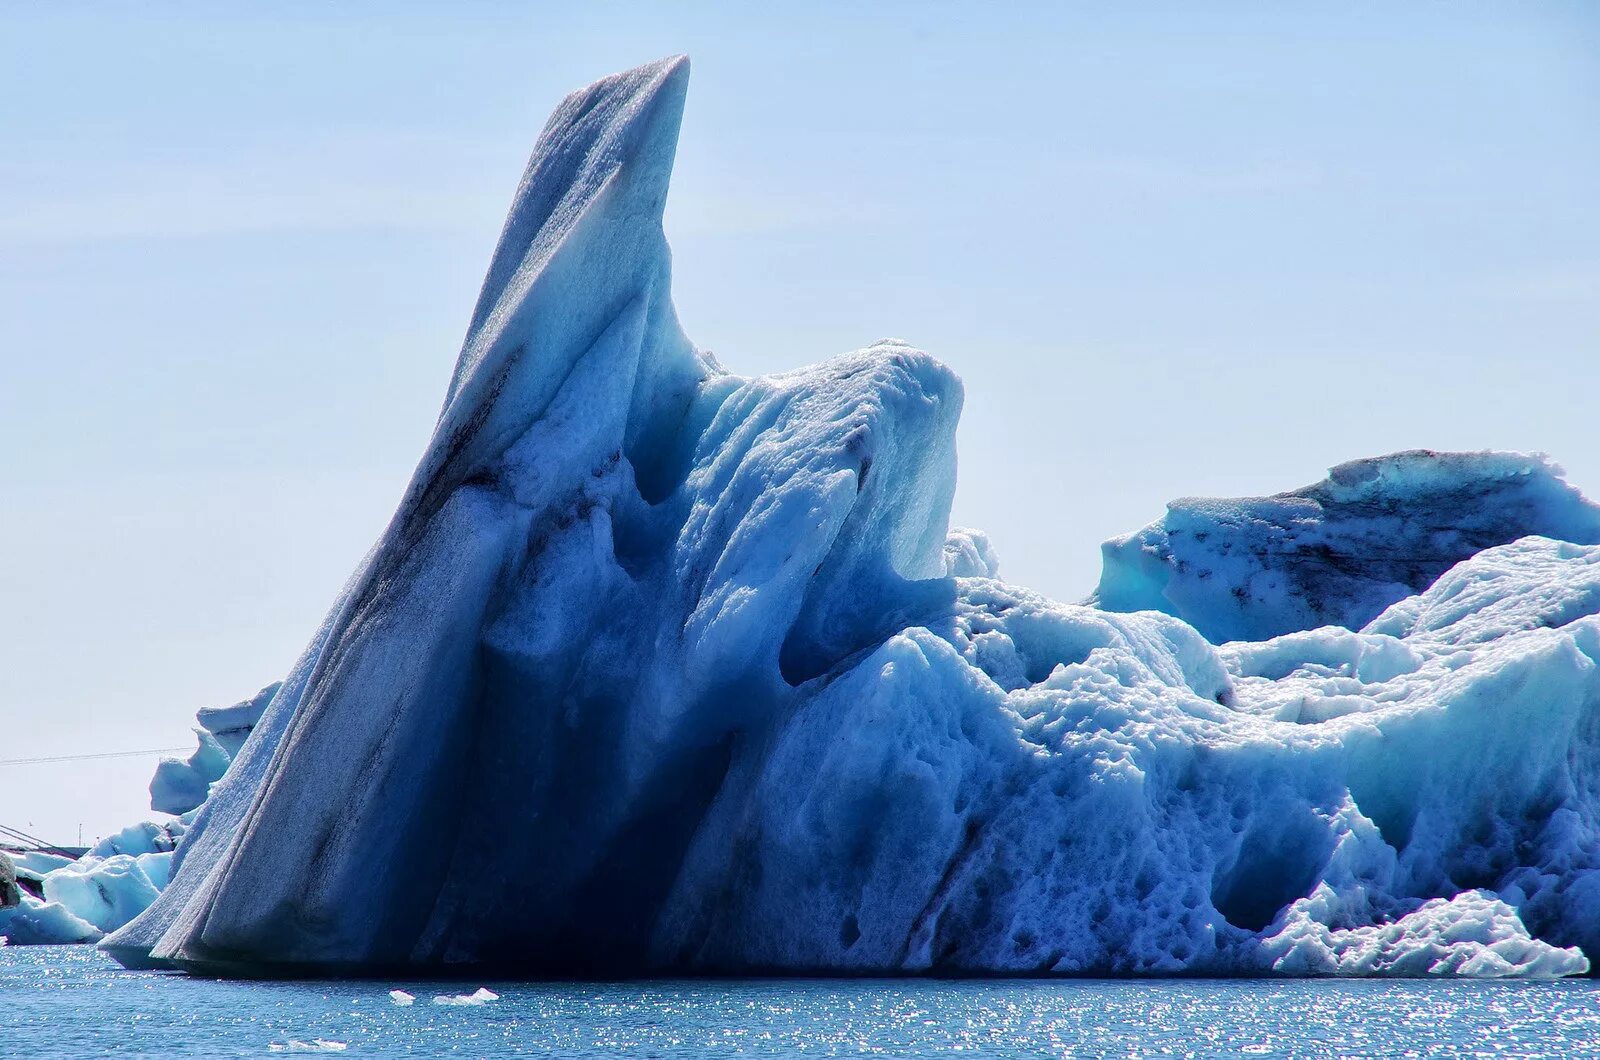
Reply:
x=70 y=1001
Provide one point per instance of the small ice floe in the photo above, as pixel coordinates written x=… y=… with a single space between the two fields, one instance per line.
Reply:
x=400 y=997
x=315 y=1045
x=480 y=996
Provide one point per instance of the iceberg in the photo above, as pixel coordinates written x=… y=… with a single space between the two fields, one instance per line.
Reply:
x=181 y=785
x=78 y=900
x=1339 y=551
x=64 y=900
x=658 y=669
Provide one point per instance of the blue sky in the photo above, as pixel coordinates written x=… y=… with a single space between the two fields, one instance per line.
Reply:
x=1171 y=249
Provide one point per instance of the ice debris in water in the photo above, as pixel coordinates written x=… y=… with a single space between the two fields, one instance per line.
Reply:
x=481 y=996
x=315 y=1045
x=659 y=669
x=401 y=998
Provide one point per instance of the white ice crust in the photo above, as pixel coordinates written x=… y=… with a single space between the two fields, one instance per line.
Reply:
x=660 y=669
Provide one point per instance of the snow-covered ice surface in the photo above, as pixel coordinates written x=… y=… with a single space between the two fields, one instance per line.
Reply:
x=1339 y=551
x=660 y=669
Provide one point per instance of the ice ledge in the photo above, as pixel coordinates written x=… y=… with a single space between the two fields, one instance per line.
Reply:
x=1341 y=550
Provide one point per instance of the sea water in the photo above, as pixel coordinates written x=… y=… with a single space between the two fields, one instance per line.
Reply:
x=72 y=1002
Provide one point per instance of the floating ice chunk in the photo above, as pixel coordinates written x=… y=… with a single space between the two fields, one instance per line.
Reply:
x=315 y=1045
x=480 y=996
x=401 y=998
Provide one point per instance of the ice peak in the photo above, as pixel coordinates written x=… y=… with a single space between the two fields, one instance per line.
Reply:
x=582 y=241
x=627 y=120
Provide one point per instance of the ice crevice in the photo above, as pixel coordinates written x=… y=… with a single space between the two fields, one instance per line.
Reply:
x=659 y=669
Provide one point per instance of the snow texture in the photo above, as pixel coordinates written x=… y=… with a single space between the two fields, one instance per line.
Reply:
x=659 y=669
x=1340 y=551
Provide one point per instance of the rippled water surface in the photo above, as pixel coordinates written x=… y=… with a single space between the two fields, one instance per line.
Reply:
x=70 y=1001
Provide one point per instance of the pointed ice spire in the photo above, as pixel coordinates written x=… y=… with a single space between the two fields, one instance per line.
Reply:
x=582 y=249
x=628 y=120
x=582 y=239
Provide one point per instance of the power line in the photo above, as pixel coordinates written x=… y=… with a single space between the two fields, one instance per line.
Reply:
x=90 y=757
x=17 y=835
